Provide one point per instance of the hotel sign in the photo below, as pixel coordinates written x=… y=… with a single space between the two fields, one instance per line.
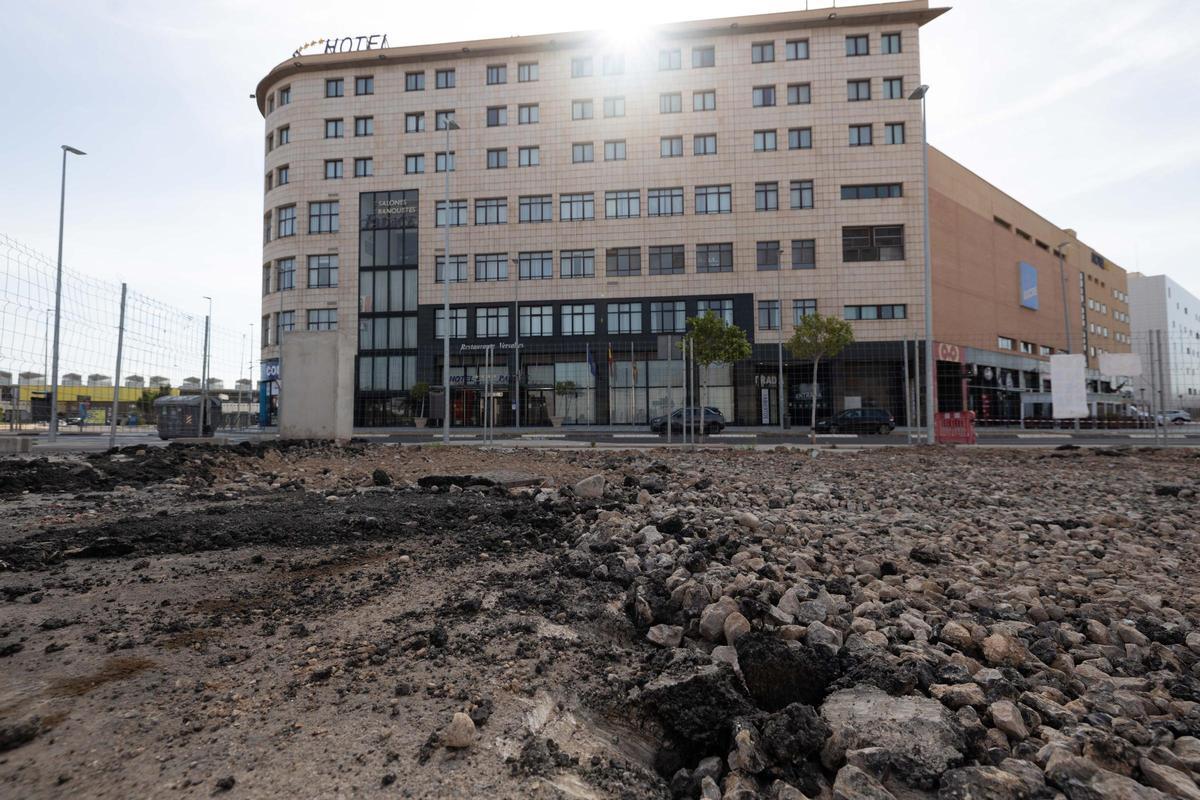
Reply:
x=345 y=44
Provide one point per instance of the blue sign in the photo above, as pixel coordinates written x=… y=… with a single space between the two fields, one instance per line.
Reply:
x=1029 y=286
x=268 y=369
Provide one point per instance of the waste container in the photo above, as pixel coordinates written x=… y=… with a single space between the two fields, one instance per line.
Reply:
x=179 y=416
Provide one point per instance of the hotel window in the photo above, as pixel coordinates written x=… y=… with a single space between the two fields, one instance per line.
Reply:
x=491 y=267
x=443 y=162
x=875 y=312
x=799 y=94
x=704 y=144
x=800 y=138
x=714 y=199
x=670 y=103
x=581 y=67
x=804 y=253
x=414 y=122
x=536 y=208
x=666 y=259
x=285 y=135
x=442 y=118
x=762 y=52
x=858 y=90
x=458 y=213
x=623 y=204
x=723 y=308
x=364 y=126
x=414 y=81
x=803 y=308
x=766 y=196
x=612 y=64
x=286 y=321
x=858 y=45
x=668 y=317
x=624 y=318
x=491 y=322
x=583 y=153
x=1004 y=343
x=872 y=191
x=614 y=106
x=670 y=146
x=458 y=269
x=492 y=211
x=529 y=156
x=282 y=175
x=889 y=43
x=893 y=88
x=266 y=279
x=1043 y=350
x=285 y=96
x=577 y=264
x=704 y=57
x=364 y=167
x=444 y=79
x=323 y=217
x=535 y=266
x=285 y=274
x=614 y=150
x=860 y=135
x=670 y=59
x=664 y=202
x=766 y=256
x=497 y=74
x=414 y=164
x=322 y=319
x=335 y=87
x=578 y=319
x=714 y=257
x=527 y=72
x=704 y=101
x=364 y=85
x=575 y=207
x=528 y=114
x=768 y=315
x=497 y=158
x=1027 y=347
x=266 y=227
x=333 y=129
x=269 y=177
x=266 y=331
x=287 y=221
x=764 y=96
x=458 y=323
x=270 y=102
x=623 y=262
x=497 y=116
x=764 y=141
x=333 y=169
x=322 y=272
x=878 y=243
x=536 y=320
x=893 y=133
x=802 y=194
x=581 y=109
x=796 y=50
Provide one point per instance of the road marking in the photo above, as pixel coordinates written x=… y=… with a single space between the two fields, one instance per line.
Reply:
x=837 y=436
x=543 y=436
x=456 y=436
x=733 y=436
x=1043 y=436
x=635 y=435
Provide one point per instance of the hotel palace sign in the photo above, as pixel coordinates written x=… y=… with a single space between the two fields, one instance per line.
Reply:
x=345 y=44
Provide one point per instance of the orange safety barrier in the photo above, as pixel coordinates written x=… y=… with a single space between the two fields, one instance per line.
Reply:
x=954 y=427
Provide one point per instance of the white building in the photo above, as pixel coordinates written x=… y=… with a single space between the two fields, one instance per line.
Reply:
x=1162 y=310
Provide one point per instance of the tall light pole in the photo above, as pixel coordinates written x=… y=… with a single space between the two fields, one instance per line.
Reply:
x=779 y=397
x=451 y=125
x=930 y=364
x=62 y=204
x=204 y=369
x=1062 y=275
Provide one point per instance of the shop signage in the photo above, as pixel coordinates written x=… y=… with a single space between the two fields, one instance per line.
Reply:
x=1029 y=286
x=269 y=369
x=345 y=44
x=498 y=346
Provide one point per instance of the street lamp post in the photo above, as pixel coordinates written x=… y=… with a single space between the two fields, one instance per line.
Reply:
x=204 y=369
x=62 y=204
x=451 y=125
x=930 y=364
x=1062 y=275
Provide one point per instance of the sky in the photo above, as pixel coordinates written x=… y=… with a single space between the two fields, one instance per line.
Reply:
x=1084 y=110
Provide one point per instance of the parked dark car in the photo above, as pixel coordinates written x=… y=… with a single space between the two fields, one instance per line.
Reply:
x=858 y=420
x=713 y=421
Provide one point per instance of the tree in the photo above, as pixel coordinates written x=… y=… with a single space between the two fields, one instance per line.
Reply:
x=818 y=337
x=714 y=341
x=418 y=392
x=566 y=389
x=145 y=403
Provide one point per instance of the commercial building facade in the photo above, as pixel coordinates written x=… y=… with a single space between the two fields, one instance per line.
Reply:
x=1166 y=333
x=601 y=193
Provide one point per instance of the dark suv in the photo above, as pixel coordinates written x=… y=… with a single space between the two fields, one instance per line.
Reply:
x=858 y=420
x=713 y=422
